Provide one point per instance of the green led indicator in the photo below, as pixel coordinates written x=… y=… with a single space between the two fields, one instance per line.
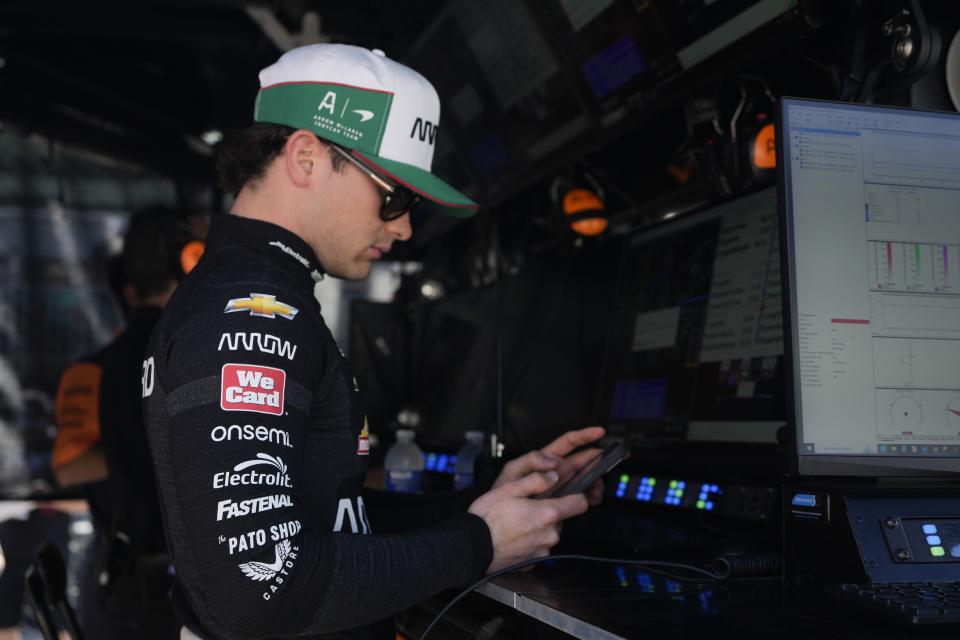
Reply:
x=652 y=482
x=936 y=552
x=624 y=478
x=701 y=504
x=673 y=484
x=679 y=493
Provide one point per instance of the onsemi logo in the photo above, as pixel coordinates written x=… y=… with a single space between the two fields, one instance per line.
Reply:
x=261 y=305
x=276 y=477
x=261 y=433
x=250 y=387
x=256 y=341
x=424 y=129
x=227 y=509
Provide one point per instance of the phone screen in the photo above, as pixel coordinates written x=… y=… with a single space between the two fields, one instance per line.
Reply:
x=612 y=455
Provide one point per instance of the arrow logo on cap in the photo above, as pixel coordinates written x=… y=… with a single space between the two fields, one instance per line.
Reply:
x=364 y=114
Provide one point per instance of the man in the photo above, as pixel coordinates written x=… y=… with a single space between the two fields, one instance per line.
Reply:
x=101 y=445
x=253 y=414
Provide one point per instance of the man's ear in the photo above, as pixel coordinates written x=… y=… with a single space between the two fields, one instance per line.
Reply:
x=302 y=154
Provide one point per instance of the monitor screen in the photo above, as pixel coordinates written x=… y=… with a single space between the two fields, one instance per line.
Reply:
x=697 y=351
x=871 y=231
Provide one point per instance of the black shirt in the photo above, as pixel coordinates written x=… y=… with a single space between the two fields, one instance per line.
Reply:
x=124 y=439
x=260 y=446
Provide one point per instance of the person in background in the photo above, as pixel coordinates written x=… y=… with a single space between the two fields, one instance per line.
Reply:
x=101 y=442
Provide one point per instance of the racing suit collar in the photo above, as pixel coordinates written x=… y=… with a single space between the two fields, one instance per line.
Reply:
x=267 y=238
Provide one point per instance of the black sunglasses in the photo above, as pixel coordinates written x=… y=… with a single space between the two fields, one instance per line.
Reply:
x=397 y=199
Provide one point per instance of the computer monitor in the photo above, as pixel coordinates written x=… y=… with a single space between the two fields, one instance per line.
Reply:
x=870 y=228
x=696 y=353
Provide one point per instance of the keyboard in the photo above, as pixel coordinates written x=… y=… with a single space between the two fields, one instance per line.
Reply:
x=910 y=603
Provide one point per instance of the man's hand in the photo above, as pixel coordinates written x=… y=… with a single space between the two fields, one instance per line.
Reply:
x=554 y=457
x=522 y=528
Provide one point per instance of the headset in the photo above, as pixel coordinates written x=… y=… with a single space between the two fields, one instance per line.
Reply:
x=580 y=200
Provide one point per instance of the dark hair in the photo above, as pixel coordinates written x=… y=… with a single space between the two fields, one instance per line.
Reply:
x=151 y=249
x=244 y=154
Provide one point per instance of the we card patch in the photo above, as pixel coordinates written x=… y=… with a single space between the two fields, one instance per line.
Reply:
x=250 y=387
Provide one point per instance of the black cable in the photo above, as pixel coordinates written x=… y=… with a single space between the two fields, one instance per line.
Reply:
x=567 y=556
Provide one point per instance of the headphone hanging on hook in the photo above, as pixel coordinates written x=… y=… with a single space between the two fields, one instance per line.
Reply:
x=580 y=200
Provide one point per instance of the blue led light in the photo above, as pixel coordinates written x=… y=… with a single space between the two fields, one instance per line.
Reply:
x=709 y=506
x=929 y=529
x=804 y=500
x=702 y=496
x=681 y=485
x=442 y=461
x=933 y=540
x=714 y=488
x=431 y=461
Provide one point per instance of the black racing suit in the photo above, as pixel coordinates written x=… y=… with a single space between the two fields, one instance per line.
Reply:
x=260 y=446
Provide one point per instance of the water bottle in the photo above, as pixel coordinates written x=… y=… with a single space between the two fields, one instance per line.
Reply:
x=404 y=464
x=466 y=458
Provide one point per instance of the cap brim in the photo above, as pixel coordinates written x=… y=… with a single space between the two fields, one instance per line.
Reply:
x=438 y=194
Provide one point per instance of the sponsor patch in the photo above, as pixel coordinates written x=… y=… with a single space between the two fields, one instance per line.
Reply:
x=260 y=571
x=363 y=442
x=265 y=343
x=250 y=387
x=261 y=305
x=227 y=509
x=247 y=473
x=274 y=573
x=258 y=537
x=261 y=433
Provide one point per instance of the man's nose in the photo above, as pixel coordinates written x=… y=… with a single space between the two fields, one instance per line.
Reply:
x=400 y=228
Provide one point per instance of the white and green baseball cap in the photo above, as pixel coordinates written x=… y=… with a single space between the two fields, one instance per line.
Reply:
x=386 y=113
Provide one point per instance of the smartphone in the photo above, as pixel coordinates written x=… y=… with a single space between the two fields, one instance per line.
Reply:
x=612 y=455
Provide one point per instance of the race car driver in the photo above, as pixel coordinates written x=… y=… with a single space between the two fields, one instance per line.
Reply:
x=253 y=414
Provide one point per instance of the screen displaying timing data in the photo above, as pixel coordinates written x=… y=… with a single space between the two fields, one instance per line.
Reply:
x=698 y=342
x=871 y=212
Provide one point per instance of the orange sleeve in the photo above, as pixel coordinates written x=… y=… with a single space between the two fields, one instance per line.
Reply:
x=77 y=412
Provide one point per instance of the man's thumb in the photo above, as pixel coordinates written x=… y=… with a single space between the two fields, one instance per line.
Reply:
x=532 y=484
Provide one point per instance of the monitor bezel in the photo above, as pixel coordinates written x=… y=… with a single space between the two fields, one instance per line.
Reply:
x=821 y=464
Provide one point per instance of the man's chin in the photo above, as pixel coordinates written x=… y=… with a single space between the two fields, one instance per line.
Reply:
x=355 y=273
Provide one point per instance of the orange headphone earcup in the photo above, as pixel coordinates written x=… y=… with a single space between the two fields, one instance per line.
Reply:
x=190 y=255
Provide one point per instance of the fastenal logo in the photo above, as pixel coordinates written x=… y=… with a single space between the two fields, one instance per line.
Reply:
x=265 y=343
x=261 y=305
x=227 y=509
x=250 y=387
x=241 y=477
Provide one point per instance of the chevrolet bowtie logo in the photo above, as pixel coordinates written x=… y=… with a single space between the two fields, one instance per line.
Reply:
x=261 y=305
